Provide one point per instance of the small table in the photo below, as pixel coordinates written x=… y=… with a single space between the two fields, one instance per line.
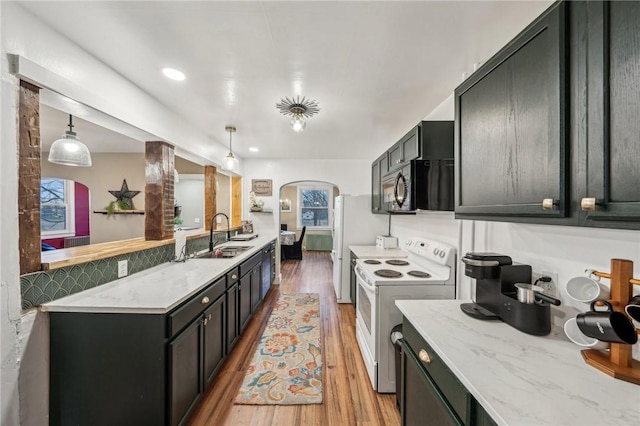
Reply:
x=287 y=238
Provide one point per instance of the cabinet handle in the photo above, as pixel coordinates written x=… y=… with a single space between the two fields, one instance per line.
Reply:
x=209 y=317
x=549 y=204
x=234 y=276
x=588 y=204
x=204 y=300
x=206 y=320
x=424 y=356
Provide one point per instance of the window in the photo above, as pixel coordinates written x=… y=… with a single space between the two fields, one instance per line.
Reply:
x=314 y=205
x=56 y=207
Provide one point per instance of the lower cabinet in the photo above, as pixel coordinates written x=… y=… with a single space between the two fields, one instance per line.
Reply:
x=352 y=279
x=147 y=369
x=244 y=301
x=233 y=299
x=185 y=358
x=432 y=395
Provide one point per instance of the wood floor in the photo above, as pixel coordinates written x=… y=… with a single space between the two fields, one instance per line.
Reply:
x=348 y=396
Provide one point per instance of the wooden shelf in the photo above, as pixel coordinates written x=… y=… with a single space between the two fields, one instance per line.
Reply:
x=120 y=212
x=261 y=211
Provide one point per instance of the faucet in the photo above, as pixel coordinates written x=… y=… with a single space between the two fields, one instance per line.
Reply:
x=211 y=230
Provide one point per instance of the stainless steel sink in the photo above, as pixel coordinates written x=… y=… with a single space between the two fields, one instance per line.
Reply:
x=223 y=252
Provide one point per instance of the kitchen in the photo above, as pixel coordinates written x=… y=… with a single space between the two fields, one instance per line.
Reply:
x=563 y=250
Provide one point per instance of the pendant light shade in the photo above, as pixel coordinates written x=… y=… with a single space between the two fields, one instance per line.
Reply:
x=69 y=150
x=230 y=162
x=297 y=123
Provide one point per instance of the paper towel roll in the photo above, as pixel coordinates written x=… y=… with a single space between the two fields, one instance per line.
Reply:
x=181 y=241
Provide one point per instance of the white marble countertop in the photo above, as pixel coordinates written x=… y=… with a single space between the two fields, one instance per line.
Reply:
x=156 y=290
x=521 y=379
x=373 y=252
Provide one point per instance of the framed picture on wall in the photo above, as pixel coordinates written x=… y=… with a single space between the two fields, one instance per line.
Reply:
x=261 y=187
x=285 y=205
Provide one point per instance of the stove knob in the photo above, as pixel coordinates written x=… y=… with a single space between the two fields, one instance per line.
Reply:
x=442 y=253
x=436 y=251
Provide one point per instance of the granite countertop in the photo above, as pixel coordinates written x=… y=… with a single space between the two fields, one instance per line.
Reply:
x=377 y=252
x=156 y=290
x=521 y=379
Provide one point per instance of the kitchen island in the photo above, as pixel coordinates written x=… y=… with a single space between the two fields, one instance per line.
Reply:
x=520 y=379
x=143 y=349
x=157 y=290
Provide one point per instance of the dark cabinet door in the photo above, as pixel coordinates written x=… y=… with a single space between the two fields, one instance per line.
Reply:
x=256 y=283
x=411 y=145
x=394 y=156
x=266 y=272
x=185 y=371
x=214 y=344
x=422 y=402
x=510 y=134
x=244 y=305
x=612 y=197
x=352 y=279
x=232 y=315
x=378 y=169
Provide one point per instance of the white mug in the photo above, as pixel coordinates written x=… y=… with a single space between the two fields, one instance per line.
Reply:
x=586 y=289
x=579 y=338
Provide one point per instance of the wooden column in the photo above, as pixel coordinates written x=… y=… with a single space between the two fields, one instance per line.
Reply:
x=236 y=200
x=210 y=208
x=29 y=178
x=159 y=191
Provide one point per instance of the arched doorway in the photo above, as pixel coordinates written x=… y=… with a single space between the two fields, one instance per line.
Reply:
x=306 y=217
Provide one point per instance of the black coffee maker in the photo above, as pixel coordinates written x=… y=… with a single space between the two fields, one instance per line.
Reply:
x=497 y=295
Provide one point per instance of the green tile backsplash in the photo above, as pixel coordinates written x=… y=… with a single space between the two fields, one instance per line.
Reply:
x=44 y=286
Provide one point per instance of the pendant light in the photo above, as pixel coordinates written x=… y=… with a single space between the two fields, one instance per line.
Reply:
x=69 y=151
x=230 y=162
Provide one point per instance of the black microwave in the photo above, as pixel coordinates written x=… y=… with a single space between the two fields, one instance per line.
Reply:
x=420 y=185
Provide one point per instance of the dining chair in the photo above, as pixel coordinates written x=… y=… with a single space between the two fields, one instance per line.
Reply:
x=294 y=251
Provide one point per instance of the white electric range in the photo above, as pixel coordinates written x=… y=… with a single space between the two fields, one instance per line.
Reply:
x=428 y=272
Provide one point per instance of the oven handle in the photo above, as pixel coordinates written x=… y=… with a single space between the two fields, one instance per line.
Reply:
x=362 y=282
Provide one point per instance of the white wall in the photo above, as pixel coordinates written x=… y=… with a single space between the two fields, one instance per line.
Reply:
x=350 y=176
x=10 y=322
x=189 y=193
x=106 y=174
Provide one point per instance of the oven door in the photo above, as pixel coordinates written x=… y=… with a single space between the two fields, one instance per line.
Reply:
x=366 y=323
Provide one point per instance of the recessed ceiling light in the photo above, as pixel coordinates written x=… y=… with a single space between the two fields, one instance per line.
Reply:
x=173 y=74
x=253 y=149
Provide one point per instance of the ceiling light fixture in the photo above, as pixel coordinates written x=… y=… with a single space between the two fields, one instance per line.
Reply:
x=253 y=149
x=173 y=74
x=69 y=151
x=298 y=109
x=230 y=162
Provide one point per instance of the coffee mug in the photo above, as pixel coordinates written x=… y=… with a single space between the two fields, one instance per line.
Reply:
x=633 y=308
x=586 y=289
x=578 y=337
x=608 y=326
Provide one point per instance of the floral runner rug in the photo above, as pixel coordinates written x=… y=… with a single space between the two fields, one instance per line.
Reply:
x=286 y=368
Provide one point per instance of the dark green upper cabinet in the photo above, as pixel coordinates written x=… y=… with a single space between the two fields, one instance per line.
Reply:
x=405 y=150
x=511 y=140
x=378 y=169
x=612 y=195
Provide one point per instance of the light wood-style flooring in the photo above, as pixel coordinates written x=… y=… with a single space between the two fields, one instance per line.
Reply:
x=348 y=396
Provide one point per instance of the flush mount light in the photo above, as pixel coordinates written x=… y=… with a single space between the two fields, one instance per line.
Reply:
x=69 y=150
x=230 y=162
x=298 y=109
x=253 y=149
x=173 y=74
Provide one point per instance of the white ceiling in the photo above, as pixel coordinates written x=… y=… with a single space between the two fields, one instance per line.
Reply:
x=375 y=68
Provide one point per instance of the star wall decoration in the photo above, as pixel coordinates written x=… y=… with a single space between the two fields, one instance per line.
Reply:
x=125 y=195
